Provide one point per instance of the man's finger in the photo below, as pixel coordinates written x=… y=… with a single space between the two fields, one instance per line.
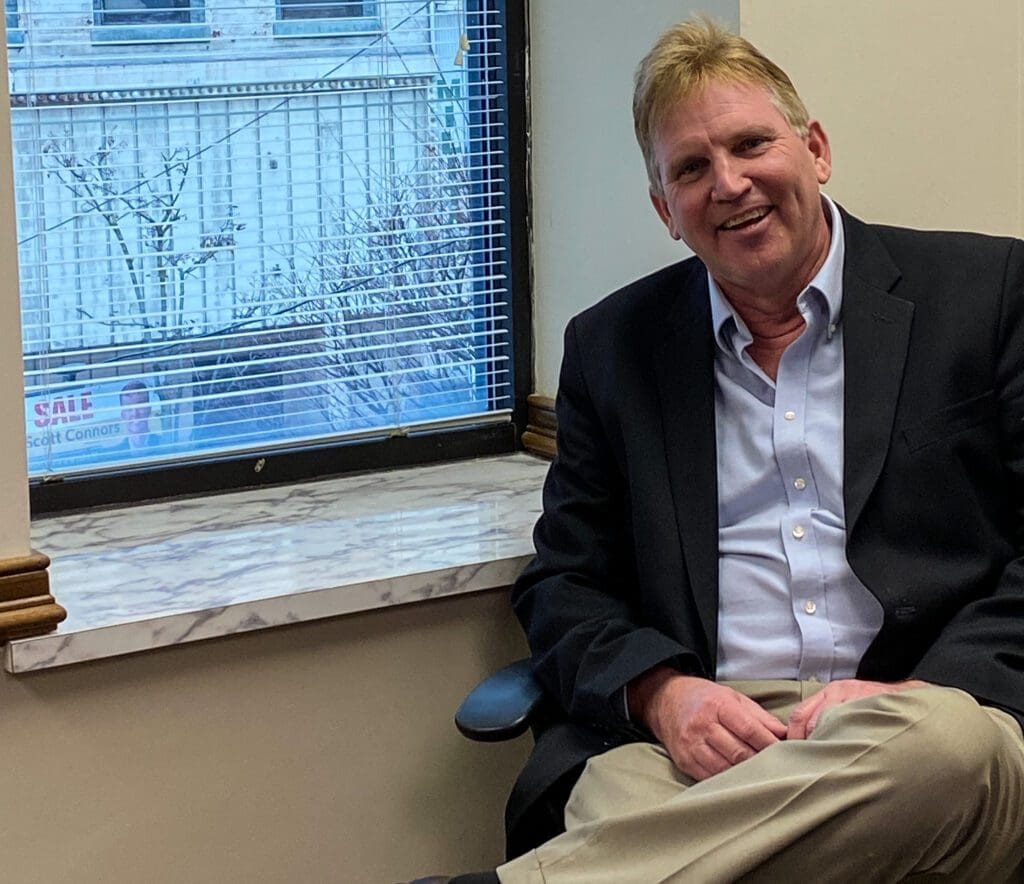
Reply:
x=711 y=759
x=771 y=722
x=729 y=746
x=800 y=725
x=689 y=763
x=812 y=722
x=756 y=730
x=774 y=725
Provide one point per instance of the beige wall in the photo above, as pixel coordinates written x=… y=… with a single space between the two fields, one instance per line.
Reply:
x=921 y=99
x=318 y=753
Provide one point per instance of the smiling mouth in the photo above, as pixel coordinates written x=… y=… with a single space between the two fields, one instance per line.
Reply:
x=747 y=219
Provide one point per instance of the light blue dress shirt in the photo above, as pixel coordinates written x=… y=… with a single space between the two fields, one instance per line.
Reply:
x=789 y=604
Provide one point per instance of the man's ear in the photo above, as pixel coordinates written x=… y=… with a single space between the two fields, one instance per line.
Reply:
x=821 y=151
x=661 y=207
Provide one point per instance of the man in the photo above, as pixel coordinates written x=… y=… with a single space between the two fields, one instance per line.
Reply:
x=778 y=591
x=136 y=412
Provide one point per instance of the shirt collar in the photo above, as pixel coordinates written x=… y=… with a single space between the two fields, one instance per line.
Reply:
x=828 y=281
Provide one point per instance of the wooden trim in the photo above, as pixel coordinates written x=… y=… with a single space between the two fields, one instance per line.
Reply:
x=26 y=606
x=541 y=426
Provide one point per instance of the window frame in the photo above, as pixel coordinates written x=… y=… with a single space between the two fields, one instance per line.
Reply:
x=195 y=29
x=224 y=473
x=15 y=32
x=367 y=22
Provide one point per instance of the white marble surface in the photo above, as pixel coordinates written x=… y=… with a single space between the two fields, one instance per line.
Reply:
x=168 y=573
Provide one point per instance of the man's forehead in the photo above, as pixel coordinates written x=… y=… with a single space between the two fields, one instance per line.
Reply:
x=723 y=107
x=721 y=95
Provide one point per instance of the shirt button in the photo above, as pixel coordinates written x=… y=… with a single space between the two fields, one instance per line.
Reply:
x=790 y=415
x=810 y=607
x=799 y=484
x=799 y=532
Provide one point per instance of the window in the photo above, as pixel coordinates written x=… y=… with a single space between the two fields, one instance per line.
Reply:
x=144 y=12
x=130 y=21
x=306 y=9
x=315 y=18
x=15 y=35
x=258 y=265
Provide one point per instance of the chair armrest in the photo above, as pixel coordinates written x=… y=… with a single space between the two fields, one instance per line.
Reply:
x=502 y=706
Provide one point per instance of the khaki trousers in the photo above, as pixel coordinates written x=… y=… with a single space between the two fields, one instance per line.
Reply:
x=925 y=783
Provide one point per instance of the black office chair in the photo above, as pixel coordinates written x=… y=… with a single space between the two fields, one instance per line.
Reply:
x=504 y=705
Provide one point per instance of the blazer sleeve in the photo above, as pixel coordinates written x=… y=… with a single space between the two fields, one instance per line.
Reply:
x=577 y=600
x=981 y=649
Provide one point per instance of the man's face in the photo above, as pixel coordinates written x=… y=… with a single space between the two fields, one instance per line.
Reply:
x=741 y=189
x=135 y=411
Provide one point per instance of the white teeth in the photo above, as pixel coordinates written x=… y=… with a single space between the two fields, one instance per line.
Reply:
x=752 y=215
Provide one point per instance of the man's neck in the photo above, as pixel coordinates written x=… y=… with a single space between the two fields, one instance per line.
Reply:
x=772 y=332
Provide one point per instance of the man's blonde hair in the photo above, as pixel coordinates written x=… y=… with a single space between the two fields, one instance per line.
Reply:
x=688 y=57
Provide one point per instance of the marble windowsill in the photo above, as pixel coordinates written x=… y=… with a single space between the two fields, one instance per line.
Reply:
x=169 y=573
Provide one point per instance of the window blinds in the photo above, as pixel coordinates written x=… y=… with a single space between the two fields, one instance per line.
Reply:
x=247 y=226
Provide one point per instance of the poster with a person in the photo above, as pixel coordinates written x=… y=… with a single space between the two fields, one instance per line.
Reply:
x=94 y=423
x=137 y=417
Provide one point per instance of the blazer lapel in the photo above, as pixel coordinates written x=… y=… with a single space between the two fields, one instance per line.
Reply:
x=876 y=333
x=684 y=369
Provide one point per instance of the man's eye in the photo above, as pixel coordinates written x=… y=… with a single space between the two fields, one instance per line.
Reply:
x=689 y=169
x=752 y=143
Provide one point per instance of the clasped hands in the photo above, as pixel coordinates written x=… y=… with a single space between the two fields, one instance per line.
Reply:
x=708 y=727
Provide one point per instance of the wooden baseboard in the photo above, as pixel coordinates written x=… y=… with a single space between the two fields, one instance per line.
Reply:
x=541 y=426
x=26 y=606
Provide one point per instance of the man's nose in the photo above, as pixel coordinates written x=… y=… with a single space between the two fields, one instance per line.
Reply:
x=728 y=181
